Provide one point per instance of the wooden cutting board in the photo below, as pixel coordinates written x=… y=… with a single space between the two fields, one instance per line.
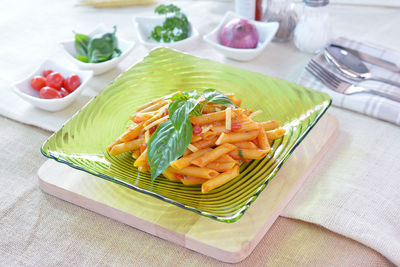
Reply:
x=228 y=242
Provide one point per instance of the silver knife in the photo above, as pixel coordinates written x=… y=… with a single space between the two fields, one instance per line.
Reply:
x=371 y=59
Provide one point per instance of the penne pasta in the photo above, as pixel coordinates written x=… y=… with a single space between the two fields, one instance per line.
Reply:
x=221 y=179
x=148 y=104
x=225 y=158
x=185 y=160
x=223 y=137
x=270 y=125
x=125 y=147
x=208 y=135
x=156 y=123
x=141 y=160
x=241 y=154
x=155 y=106
x=262 y=138
x=190 y=180
x=276 y=134
x=205 y=173
x=246 y=145
x=205 y=143
x=237 y=137
x=170 y=174
x=131 y=133
x=213 y=155
x=219 y=129
x=208 y=118
x=135 y=154
x=221 y=166
x=195 y=138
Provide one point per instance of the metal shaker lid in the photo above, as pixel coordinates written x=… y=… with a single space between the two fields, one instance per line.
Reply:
x=316 y=3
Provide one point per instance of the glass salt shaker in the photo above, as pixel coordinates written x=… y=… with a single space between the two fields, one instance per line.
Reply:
x=282 y=11
x=313 y=31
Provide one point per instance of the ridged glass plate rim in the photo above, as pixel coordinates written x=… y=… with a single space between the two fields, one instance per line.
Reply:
x=227 y=219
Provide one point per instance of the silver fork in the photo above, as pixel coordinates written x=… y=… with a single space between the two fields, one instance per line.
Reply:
x=339 y=85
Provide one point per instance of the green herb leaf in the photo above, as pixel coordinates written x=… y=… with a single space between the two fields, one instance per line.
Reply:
x=97 y=49
x=81 y=44
x=166 y=145
x=216 y=97
x=240 y=152
x=179 y=110
x=174 y=28
x=82 y=58
x=164 y=9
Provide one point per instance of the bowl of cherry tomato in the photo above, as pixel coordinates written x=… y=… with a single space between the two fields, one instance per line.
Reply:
x=52 y=87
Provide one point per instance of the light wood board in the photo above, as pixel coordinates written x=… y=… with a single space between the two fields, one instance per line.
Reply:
x=228 y=242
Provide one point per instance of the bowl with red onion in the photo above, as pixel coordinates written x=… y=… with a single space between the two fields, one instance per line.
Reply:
x=239 y=38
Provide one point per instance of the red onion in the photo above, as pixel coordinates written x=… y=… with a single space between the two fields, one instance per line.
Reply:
x=239 y=33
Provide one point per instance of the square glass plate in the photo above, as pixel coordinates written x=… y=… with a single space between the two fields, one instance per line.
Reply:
x=81 y=142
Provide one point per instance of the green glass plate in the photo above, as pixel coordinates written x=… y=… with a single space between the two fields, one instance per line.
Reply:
x=81 y=142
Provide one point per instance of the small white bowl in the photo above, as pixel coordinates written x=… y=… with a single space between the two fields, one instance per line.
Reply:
x=145 y=25
x=25 y=91
x=266 y=31
x=98 y=68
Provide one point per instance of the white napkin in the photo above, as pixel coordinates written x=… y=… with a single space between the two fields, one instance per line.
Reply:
x=368 y=104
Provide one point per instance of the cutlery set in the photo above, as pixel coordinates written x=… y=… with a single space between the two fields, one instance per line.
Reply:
x=351 y=70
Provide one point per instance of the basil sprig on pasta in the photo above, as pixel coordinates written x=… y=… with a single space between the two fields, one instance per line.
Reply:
x=173 y=136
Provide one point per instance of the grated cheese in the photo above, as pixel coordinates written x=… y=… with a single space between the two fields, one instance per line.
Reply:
x=192 y=148
x=219 y=140
x=228 y=118
x=206 y=128
x=146 y=137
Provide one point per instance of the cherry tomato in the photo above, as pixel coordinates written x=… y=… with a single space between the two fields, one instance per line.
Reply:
x=38 y=82
x=72 y=82
x=235 y=126
x=166 y=112
x=63 y=92
x=152 y=129
x=197 y=129
x=178 y=176
x=55 y=80
x=49 y=93
x=46 y=72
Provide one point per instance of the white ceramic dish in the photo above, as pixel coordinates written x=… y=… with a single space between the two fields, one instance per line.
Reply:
x=145 y=25
x=98 y=68
x=266 y=31
x=25 y=91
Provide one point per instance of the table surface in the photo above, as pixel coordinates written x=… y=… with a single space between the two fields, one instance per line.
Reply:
x=38 y=229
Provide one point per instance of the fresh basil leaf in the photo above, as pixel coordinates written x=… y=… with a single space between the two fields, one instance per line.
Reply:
x=167 y=144
x=82 y=58
x=100 y=49
x=103 y=48
x=179 y=110
x=191 y=94
x=216 y=97
x=81 y=44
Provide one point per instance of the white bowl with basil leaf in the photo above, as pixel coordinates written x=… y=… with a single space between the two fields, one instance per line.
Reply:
x=169 y=28
x=98 y=51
